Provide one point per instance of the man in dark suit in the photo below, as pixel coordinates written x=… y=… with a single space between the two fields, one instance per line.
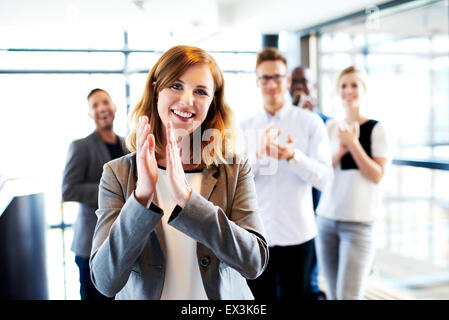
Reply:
x=81 y=178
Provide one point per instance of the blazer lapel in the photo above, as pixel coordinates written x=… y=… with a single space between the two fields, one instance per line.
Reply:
x=101 y=147
x=209 y=181
x=207 y=186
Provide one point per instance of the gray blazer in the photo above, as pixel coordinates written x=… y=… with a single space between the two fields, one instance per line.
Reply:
x=82 y=173
x=128 y=251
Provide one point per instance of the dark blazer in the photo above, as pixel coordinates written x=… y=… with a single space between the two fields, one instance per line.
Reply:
x=128 y=258
x=82 y=173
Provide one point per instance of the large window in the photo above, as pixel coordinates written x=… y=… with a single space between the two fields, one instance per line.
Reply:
x=406 y=56
x=405 y=51
x=45 y=76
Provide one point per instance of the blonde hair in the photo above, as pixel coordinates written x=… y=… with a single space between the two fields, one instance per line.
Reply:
x=361 y=76
x=170 y=66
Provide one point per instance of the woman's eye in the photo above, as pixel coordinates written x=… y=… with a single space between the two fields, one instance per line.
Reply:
x=176 y=86
x=202 y=92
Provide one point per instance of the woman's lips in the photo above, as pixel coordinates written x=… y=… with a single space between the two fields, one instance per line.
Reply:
x=182 y=115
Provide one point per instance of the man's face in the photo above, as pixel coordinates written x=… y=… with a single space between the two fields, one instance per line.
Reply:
x=101 y=110
x=298 y=85
x=273 y=80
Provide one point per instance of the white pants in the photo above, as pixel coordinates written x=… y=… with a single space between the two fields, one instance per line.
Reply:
x=345 y=256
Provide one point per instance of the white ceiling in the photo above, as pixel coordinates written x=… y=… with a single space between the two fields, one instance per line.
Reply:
x=264 y=16
x=425 y=21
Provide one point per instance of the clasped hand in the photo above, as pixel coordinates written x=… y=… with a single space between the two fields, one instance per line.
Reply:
x=270 y=146
x=348 y=134
x=147 y=169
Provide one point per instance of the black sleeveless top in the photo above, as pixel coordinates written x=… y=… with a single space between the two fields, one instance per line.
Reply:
x=347 y=162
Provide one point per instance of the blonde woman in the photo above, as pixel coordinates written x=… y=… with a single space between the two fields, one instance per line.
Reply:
x=349 y=205
x=177 y=217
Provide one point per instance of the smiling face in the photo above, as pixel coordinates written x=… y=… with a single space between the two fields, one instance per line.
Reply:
x=350 y=90
x=298 y=85
x=186 y=101
x=102 y=110
x=273 y=81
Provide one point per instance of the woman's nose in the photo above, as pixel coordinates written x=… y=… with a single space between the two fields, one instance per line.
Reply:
x=347 y=90
x=187 y=98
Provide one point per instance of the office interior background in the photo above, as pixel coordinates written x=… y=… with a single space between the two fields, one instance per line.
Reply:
x=52 y=53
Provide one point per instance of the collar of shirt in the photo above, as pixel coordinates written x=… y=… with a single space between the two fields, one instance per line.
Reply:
x=281 y=114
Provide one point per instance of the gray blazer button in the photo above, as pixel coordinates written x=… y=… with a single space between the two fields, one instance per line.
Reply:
x=204 y=262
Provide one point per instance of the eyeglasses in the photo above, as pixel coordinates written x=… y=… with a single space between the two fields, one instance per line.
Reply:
x=276 y=78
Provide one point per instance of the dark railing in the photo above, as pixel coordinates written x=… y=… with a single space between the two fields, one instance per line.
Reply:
x=429 y=164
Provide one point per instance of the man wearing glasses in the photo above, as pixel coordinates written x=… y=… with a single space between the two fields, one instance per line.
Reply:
x=293 y=143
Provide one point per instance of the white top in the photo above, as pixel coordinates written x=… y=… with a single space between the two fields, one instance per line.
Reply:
x=350 y=196
x=284 y=189
x=182 y=274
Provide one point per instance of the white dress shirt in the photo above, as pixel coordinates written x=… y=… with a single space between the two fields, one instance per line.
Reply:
x=182 y=274
x=284 y=188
